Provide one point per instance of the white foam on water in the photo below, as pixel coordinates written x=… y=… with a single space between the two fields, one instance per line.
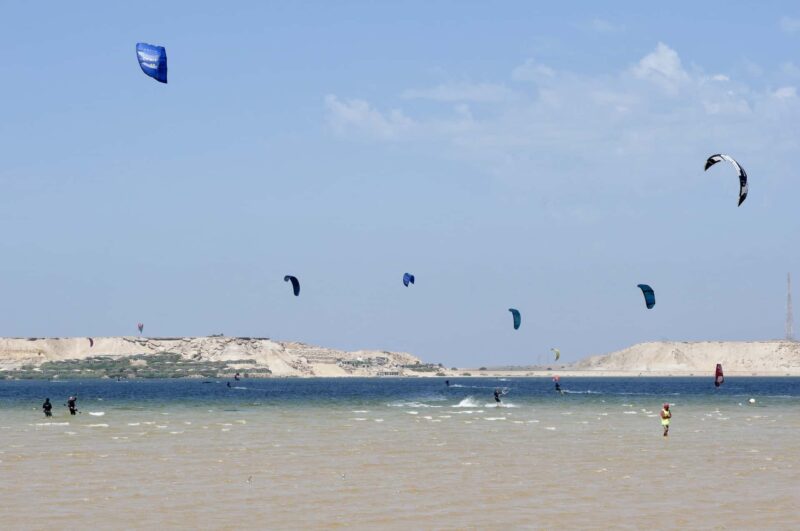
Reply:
x=378 y=420
x=359 y=411
x=358 y=418
x=427 y=417
x=176 y=432
x=518 y=422
x=98 y=425
x=133 y=423
x=494 y=418
x=630 y=412
x=241 y=422
x=225 y=429
x=162 y=426
x=97 y=413
x=468 y=402
x=410 y=404
x=52 y=424
x=70 y=432
x=551 y=428
x=444 y=416
x=532 y=421
x=412 y=412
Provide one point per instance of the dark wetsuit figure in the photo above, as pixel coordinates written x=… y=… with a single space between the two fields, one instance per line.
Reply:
x=558 y=387
x=447 y=383
x=497 y=395
x=47 y=407
x=71 y=405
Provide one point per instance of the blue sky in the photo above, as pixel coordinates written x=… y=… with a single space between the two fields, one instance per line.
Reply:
x=542 y=157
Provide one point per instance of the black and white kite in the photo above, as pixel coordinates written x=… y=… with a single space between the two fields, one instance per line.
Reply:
x=713 y=159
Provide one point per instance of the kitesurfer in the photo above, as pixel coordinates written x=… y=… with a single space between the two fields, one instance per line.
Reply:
x=73 y=409
x=229 y=385
x=558 y=387
x=236 y=376
x=47 y=407
x=497 y=395
x=666 y=414
x=447 y=383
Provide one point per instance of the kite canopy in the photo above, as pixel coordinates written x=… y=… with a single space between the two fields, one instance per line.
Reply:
x=153 y=60
x=517 y=317
x=295 y=284
x=556 y=352
x=713 y=159
x=408 y=278
x=719 y=378
x=140 y=326
x=649 y=295
x=91 y=342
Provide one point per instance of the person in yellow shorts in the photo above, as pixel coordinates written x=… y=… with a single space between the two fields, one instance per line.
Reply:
x=666 y=414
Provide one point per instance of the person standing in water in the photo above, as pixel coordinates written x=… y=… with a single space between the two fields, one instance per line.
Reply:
x=47 y=407
x=497 y=395
x=71 y=405
x=447 y=383
x=666 y=414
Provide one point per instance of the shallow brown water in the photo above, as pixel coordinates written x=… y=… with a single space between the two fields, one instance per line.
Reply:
x=598 y=467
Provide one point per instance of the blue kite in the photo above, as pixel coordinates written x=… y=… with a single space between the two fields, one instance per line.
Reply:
x=153 y=60
x=649 y=295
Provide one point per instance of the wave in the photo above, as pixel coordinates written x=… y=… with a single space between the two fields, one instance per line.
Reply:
x=472 y=402
x=97 y=413
x=468 y=402
x=410 y=404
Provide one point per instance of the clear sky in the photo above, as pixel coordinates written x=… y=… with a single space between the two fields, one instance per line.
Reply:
x=542 y=156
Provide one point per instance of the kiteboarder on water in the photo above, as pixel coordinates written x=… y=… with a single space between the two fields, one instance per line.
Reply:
x=497 y=394
x=666 y=414
x=47 y=407
x=447 y=383
x=71 y=405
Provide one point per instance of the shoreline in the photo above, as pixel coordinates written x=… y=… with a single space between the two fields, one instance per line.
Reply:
x=483 y=374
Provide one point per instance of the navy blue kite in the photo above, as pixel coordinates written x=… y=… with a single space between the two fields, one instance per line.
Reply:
x=408 y=278
x=295 y=284
x=517 y=317
x=153 y=60
x=649 y=295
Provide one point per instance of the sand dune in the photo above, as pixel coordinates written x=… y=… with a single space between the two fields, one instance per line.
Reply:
x=700 y=358
x=281 y=358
